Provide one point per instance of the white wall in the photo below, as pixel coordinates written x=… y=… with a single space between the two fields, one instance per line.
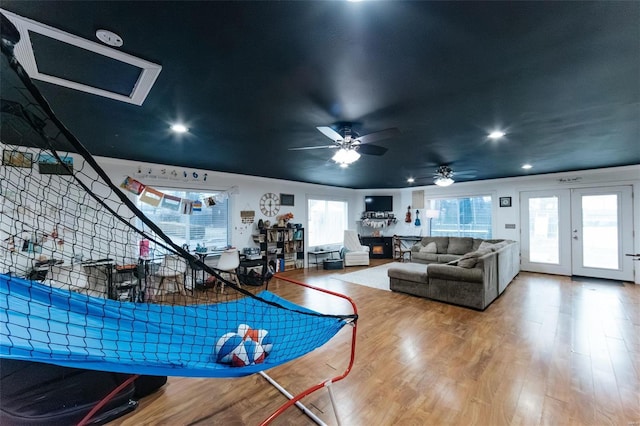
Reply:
x=245 y=191
x=248 y=190
x=511 y=187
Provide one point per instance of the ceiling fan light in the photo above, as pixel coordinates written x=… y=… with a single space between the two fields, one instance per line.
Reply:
x=352 y=155
x=443 y=181
x=346 y=156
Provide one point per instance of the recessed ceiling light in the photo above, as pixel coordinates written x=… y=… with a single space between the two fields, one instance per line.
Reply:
x=496 y=134
x=179 y=128
x=527 y=166
x=411 y=180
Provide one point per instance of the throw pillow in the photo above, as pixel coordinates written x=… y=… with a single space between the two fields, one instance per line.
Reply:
x=485 y=245
x=469 y=262
x=471 y=254
x=429 y=248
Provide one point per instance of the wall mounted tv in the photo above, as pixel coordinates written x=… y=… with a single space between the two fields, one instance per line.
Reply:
x=378 y=203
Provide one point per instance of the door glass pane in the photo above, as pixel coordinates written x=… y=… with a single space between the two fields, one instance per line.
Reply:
x=544 y=245
x=600 y=231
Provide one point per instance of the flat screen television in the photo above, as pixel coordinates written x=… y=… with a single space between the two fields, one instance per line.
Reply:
x=378 y=203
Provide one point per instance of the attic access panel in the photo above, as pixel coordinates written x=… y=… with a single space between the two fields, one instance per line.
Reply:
x=82 y=66
x=126 y=89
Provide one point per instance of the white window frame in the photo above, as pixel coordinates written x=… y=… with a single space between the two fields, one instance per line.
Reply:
x=474 y=233
x=339 y=235
x=202 y=194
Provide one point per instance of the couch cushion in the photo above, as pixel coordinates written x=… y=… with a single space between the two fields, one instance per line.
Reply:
x=485 y=245
x=409 y=272
x=459 y=245
x=454 y=273
x=495 y=241
x=429 y=257
x=476 y=243
x=445 y=258
x=469 y=260
x=429 y=248
x=468 y=263
x=501 y=244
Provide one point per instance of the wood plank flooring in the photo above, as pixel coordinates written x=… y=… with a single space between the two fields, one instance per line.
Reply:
x=549 y=351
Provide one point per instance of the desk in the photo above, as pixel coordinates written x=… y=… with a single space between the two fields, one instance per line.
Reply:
x=315 y=255
x=201 y=256
x=246 y=265
x=150 y=265
x=402 y=246
x=128 y=282
x=108 y=265
x=407 y=241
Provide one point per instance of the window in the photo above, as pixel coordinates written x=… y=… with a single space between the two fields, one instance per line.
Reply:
x=462 y=217
x=327 y=222
x=208 y=226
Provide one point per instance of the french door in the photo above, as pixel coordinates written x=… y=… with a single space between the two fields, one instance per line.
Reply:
x=545 y=232
x=578 y=232
x=601 y=232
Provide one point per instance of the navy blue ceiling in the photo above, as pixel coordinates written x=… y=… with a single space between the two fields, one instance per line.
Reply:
x=253 y=79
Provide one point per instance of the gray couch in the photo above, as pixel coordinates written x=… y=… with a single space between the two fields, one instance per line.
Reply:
x=458 y=270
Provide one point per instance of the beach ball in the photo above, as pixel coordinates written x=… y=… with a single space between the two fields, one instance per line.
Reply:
x=226 y=346
x=259 y=336
x=248 y=353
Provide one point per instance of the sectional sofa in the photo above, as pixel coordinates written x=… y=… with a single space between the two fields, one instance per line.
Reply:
x=464 y=271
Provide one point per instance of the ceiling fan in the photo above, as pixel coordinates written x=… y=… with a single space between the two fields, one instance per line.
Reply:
x=443 y=175
x=350 y=144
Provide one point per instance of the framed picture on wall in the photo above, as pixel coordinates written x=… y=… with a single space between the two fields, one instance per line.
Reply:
x=287 y=200
x=17 y=158
x=49 y=165
x=505 y=201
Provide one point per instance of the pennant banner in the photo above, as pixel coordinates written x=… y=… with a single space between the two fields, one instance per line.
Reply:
x=171 y=202
x=132 y=185
x=156 y=198
x=187 y=207
x=151 y=196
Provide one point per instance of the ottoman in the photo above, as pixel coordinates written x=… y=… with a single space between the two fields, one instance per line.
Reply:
x=409 y=278
x=332 y=264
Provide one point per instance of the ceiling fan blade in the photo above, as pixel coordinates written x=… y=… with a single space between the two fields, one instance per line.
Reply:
x=330 y=133
x=313 y=147
x=372 y=149
x=465 y=173
x=376 y=136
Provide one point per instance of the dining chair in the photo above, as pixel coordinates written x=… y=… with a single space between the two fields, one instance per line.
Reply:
x=399 y=251
x=173 y=268
x=228 y=264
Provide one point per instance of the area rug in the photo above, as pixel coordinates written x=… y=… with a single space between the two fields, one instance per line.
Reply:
x=375 y=277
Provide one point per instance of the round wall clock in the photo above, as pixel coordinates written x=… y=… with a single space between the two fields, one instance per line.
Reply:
x=269 y=204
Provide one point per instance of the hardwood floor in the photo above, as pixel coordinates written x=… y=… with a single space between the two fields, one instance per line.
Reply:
x=549 y=351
